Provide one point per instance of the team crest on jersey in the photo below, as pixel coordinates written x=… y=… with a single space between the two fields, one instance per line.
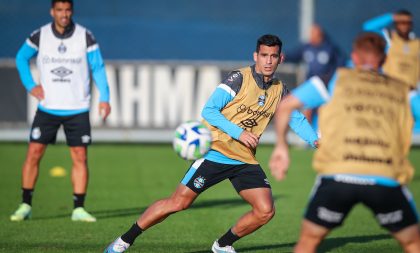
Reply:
x=261 y=100
x=36 y=133
x=199 y=182
x=62 y=48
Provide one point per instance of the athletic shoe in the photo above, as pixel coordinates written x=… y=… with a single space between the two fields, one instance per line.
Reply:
x=217 y=249
x=80 y=214
x=117 y=246
x=24 y=212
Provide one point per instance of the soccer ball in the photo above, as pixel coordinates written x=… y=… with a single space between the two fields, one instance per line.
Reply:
x=192 y=140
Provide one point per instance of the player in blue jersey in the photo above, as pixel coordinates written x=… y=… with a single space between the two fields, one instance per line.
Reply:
x=321 y=57
x=365 y=125
x=65 y=52
x=237 y=113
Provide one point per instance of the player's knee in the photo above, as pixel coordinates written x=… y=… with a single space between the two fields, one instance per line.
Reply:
x=35 y=153
x=265 y=213
x=79 y=156
x=179 y=205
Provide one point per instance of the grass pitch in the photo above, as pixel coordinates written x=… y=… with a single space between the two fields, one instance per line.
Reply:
x=124 y=179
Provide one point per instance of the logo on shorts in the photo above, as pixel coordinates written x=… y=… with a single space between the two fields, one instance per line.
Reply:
x=390 y=218
x=85 y=139
x=329 y=215
x=266 y=181
x=199 y=182
x=36 y=133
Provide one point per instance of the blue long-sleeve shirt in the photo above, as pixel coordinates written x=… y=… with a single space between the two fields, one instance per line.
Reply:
x=377 y=24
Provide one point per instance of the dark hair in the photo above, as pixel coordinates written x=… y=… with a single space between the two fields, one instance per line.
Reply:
x=269 y=40
x=53 y=2
x=371 y=43
x=404 y=12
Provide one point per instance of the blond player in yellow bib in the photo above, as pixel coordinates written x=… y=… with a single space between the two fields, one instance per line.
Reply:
x=365 y=124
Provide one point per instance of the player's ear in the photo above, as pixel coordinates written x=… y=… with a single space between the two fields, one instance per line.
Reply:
x=355 y=58
x=51 y=12
x=255 y=56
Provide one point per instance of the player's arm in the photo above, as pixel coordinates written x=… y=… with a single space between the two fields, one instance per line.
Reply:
x=310 y=94
x=28 y=50
x=415 y=105
x=377 y=24
x=97 y=66
x=223 y=94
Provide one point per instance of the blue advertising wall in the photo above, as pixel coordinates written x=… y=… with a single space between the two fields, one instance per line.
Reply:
x=193 y=30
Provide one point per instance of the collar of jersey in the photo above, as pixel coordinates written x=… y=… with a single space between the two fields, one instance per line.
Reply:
x=259 y=79
x=68 y=31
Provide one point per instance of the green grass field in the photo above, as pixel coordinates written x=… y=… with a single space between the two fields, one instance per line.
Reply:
x=127 y=178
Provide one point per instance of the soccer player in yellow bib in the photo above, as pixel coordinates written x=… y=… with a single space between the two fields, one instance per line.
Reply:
x=365 y=124
x=237 y=113
x=403 y=52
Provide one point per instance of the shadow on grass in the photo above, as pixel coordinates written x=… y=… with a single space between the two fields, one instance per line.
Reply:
x=332 y=243
x=50 y=247
x=112 y=213
x=326 y=246
x=254 y=248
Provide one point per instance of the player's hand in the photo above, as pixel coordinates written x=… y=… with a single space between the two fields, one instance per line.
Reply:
x=279 y=161
x=104 y=110
x=37 y=92
x=249 y=139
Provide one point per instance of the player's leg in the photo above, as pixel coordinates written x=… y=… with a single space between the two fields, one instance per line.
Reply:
x=252 y=185
x=30 y=167
x=199 y=177
x=77 y=130
x=262 y=204
x=395 y=210
x=43 y=131
x=328 y=207
x=180 y=200
x=79 y=173
x=310 y=237
x=409 y=238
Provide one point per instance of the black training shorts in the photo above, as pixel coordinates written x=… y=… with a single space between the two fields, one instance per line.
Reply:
x=76 y=128
x=332 y=200
x=204 y=173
